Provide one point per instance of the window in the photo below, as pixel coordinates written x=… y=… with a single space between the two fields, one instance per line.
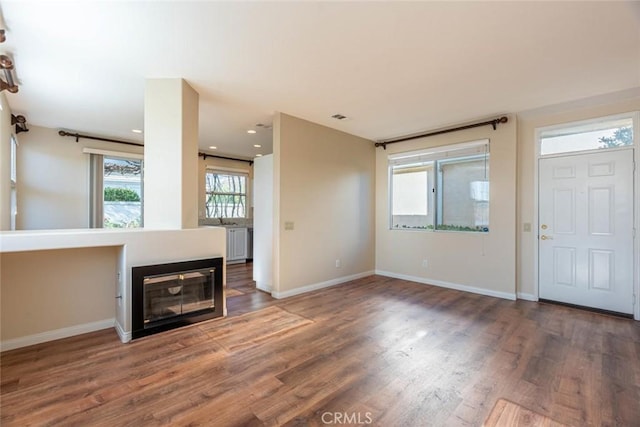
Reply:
x=226 y=194
x=14 y=182
x=117 y=192
x=412 y=195
x=604 y=133
x=446 y=188
x=464 y=194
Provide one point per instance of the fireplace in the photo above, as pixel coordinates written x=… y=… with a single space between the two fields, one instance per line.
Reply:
x=167 y=296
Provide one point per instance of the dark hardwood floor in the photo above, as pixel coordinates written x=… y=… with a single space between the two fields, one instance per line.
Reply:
x=375 y=351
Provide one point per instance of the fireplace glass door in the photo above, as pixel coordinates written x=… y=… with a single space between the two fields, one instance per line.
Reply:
x=170 y=295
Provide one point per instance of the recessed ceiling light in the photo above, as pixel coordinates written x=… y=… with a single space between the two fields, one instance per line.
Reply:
x=251 y=131
x=258 y=155
x=136 y=131
x=257 y=145
x=213 y=147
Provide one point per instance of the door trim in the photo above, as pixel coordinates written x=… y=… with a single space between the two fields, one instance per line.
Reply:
x=636 y=203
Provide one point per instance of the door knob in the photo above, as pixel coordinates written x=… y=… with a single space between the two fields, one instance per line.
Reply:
x=543 y=237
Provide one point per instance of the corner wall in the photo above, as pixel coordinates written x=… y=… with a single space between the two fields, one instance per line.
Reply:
x=326 y=189
x=477 y=262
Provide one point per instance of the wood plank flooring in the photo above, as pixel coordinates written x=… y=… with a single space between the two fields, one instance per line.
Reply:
x=375 y=351
x=507 y=414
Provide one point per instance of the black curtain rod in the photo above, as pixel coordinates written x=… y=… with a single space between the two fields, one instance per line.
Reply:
x=494 y=123
x=77 y=136
x=205 y=155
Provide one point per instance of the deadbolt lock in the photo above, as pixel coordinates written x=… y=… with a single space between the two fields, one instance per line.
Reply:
x=543 y=226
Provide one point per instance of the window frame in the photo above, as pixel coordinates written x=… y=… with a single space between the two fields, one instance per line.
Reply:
x=432 y=159
x=228 y=172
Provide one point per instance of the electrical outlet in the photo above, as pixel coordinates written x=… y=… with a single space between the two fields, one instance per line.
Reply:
x=425 y=263
x=338 y=263
x=289 y=225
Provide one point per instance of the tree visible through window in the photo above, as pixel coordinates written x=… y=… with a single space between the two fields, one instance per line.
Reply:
x=598 y=134
x=621 y=137
x=226 y=195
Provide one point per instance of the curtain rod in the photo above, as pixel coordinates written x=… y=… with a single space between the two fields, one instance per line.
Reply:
x=494 y=123
x=77 y=136
x=205 y=155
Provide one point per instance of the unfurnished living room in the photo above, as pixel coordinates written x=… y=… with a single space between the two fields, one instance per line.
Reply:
x=319 y=213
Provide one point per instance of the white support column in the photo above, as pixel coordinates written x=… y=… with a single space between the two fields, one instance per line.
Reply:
x=170 y=154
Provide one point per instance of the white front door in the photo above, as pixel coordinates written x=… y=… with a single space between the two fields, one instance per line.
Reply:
x=586 y=230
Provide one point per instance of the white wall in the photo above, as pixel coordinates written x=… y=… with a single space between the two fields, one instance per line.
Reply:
x=53 y=179
x=5 y=163
x=479 y=262
x=325 y=181
x=263 y=223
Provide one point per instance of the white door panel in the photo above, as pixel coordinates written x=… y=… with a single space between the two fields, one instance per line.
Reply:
x=586 y=230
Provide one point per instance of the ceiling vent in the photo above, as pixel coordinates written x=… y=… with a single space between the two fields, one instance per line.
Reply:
x=338 y=117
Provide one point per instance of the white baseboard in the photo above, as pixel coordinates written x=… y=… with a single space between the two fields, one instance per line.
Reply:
x=56 y=334
x=125 y=337
x=449 y=285
x=321 y=285
x=527 y=297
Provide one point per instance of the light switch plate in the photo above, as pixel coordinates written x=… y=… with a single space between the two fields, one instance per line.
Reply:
x=526 y=226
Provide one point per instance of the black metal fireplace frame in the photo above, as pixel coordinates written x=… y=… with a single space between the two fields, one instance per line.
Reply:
x=137 y=295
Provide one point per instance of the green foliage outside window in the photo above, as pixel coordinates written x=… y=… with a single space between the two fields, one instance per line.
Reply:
x=621 y=137
x=115 y=194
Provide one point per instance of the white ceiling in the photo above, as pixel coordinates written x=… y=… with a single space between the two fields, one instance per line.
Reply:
x=393 y=68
